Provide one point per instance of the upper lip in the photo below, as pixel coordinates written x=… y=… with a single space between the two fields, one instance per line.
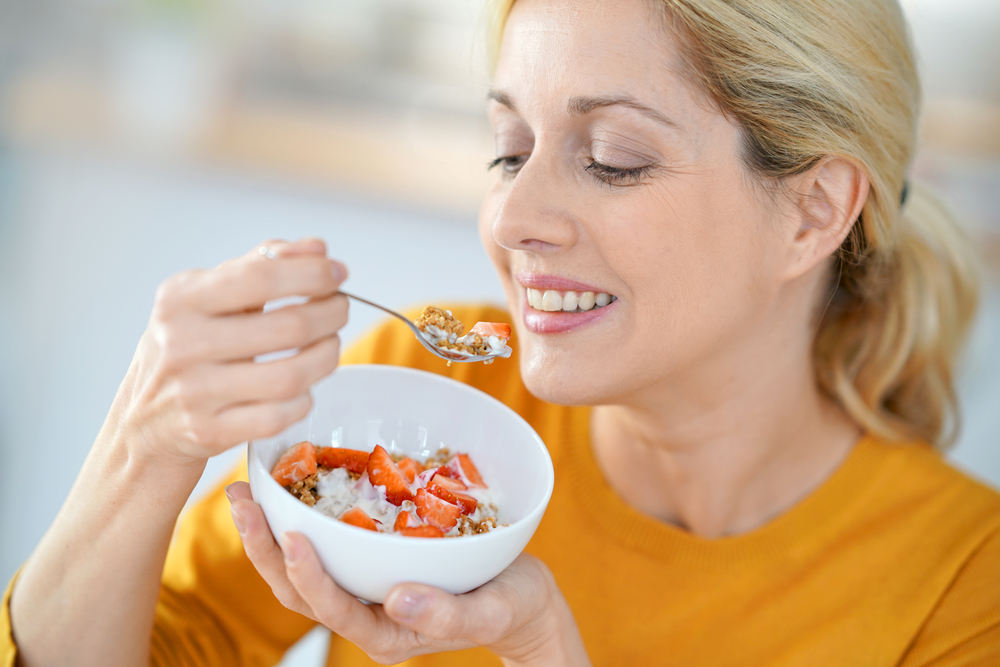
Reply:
x=541 y=281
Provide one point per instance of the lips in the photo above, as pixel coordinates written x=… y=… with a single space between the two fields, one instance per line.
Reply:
x=555 y=304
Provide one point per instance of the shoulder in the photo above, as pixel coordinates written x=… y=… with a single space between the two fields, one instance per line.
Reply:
x=946 y=524
x=921 y=475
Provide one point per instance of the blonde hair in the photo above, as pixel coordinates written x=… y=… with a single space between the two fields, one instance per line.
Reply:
x=813 y=78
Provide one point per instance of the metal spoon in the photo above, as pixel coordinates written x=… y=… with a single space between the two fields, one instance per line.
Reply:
x=447 y=355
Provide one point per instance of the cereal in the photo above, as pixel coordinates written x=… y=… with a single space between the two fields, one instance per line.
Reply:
x=443 y=495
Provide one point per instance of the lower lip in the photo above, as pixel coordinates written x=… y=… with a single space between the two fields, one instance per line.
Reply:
x=546 y=322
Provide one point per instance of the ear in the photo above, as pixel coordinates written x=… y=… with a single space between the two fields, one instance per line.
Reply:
x=829 y=198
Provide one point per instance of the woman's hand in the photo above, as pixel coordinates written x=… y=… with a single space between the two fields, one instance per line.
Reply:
x=194 y=390
x=520 y=615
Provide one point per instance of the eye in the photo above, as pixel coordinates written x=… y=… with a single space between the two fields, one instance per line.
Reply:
x=509 y=164
x=623 y=176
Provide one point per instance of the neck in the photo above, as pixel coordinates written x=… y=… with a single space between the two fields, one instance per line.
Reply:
x=723 y=452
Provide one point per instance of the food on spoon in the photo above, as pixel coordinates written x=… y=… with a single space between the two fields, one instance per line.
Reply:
x=444 y=331
x=442 y=496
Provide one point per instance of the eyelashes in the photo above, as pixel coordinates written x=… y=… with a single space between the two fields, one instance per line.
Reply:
x=616 y=176
x=510 y=164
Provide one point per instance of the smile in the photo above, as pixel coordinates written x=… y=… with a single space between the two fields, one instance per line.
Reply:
x=567 y=301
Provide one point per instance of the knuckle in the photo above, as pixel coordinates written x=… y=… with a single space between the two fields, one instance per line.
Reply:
x=200 y=431
x=170 y=294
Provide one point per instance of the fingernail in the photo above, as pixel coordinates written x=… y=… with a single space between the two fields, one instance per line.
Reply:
x=229 y=492
x=339 y=272
x=239 y=520
x=407 y=605
x=291 y=548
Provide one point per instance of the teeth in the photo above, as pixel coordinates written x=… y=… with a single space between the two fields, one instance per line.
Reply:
x=569 y=301
x=551 y=300
x=534 y=299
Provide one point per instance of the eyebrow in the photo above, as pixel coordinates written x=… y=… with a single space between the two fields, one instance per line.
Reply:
x=583 y=105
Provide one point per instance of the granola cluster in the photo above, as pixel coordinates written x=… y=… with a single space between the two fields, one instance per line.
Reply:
x=305 y=489
x=440 y=318
x=447 y=330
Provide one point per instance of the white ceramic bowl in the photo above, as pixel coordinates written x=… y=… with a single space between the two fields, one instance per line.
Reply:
x=414 y=413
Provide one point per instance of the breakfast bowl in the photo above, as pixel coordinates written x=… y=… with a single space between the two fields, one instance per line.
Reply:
x=410 y=413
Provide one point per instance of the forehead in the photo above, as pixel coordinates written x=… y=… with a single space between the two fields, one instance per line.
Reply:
x=580 y=47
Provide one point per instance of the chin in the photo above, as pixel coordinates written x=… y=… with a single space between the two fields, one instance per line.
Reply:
x=563 y=381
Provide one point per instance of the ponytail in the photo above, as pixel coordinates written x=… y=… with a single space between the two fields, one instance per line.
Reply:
x=887 y=346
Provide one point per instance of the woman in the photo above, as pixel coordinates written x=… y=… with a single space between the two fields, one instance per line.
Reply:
x=753 y=481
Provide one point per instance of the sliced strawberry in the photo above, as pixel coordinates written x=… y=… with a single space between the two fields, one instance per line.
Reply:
x=383 y=471
x=406 y=520
x=297 y=463
x=410 y=468
x=435 y=511
x=466 y=470
x=445 y=471
x=466 y=502
x=486 y=329
x=354 y=460
x=447 y=481
x=357 y=517
x=421 y=531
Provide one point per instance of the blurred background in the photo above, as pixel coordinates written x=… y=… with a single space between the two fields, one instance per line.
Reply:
x=139 y=138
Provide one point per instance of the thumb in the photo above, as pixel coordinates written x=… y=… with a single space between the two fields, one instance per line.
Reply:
x=429 y=611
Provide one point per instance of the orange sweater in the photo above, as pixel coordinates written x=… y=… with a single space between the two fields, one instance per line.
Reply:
x=895 y=559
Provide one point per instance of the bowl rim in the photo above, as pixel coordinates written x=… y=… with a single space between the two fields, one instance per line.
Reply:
x=253 y=459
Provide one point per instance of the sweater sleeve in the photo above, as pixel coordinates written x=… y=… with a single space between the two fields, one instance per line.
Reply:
x=8 y=649
x=214 y=608
x=964 y=628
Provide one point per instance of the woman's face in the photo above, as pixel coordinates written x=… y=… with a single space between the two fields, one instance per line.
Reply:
x=617 y=177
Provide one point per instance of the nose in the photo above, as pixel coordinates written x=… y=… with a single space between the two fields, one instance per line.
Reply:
x=534 y=214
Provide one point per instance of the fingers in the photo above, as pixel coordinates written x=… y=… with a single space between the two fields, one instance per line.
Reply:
x=250 y=282
x=260 y=547
x=271 y=271
x=480 y=617
x=330 y=604
x=279 y=380
x=247 y=335
x=252 y=421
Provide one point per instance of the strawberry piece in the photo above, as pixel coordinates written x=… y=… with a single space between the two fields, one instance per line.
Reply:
x=445 y=471
x=406 y=520
x=466 y=470
x=435 y=511
x=383 y=471
x=297 y=463
x=410 y=468
x=357 y=517
x=421 y=531
x=354 y=460
x=464 y=501
x=486 y=329
x=444 y=478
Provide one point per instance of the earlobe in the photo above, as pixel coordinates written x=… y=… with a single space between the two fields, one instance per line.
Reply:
x=830 y=197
